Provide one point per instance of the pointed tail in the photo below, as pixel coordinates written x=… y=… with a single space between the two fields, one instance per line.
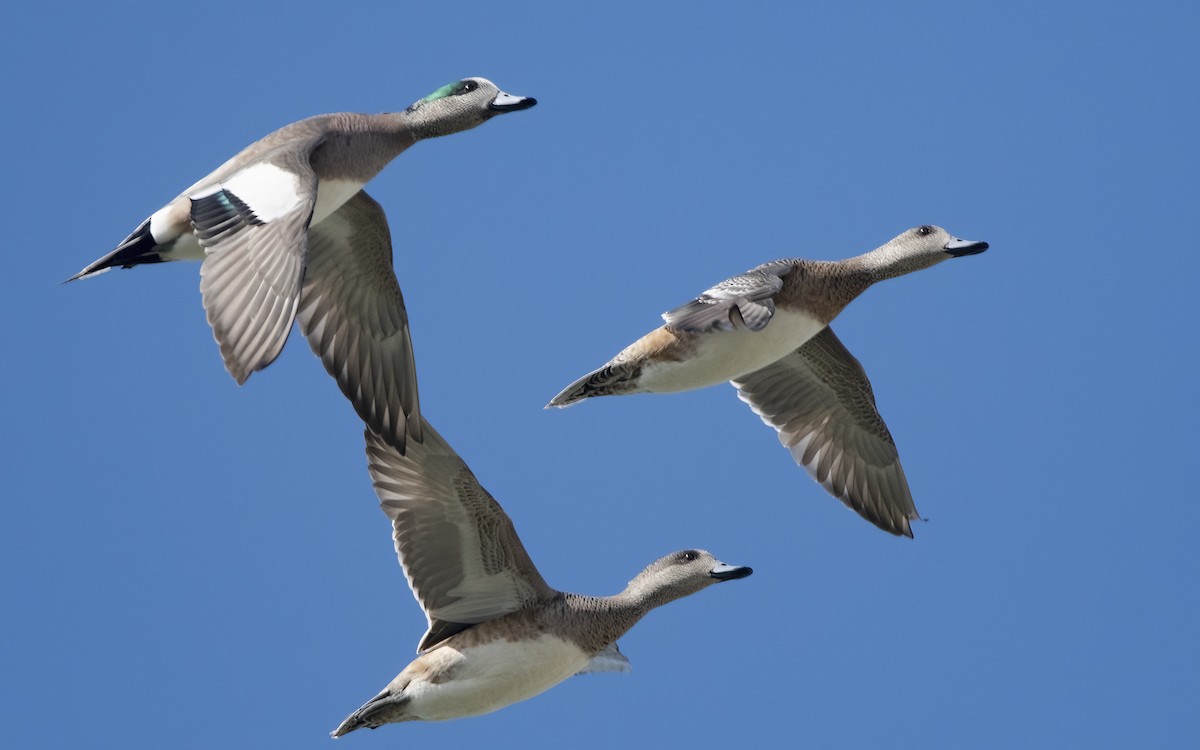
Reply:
x=572 y=394
x=610 y=380
x=382 y=709
x=136 y=249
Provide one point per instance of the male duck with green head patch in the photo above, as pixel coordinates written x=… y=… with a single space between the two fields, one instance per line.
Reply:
x=284 y=231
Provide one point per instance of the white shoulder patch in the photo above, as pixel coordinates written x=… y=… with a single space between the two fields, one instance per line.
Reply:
x=268 y=190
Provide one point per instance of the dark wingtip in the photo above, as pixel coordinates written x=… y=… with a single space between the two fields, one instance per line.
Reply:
x=903 y=527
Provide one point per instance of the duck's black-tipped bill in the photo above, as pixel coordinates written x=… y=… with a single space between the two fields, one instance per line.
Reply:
x=509 y=103
x=959 y=248
x=725 y=572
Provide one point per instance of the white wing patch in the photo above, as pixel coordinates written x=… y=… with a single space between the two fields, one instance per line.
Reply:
x=269 y=191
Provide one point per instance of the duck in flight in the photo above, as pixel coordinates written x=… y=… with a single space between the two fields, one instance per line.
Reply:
x=767 y=331
x=293 y=201
x=498 y=633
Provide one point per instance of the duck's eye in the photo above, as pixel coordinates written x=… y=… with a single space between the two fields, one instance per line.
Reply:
x=688 y=556
x=468 y=86
x=924 y=230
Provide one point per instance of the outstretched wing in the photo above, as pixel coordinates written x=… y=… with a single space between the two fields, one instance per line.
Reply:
x=819 y=399
x=253 y=228
x=352 y=313
x=457 y=546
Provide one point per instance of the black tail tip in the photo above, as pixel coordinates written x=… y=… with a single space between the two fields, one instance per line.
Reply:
x=136 y=249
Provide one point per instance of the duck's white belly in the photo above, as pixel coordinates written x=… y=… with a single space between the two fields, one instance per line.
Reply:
x=725 y=355
x=495 y=675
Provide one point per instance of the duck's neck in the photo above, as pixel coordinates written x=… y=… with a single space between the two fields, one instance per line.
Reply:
x=837 y=282
x=396 y=131
x=401 y=130
x=604 y=618
x=645 y=592
x=378 y=139
x=890 y=261
x=357 y=147
x=421 y=127
x=632 y=604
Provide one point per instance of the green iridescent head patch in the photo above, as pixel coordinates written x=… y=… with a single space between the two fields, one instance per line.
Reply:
x=450 y=89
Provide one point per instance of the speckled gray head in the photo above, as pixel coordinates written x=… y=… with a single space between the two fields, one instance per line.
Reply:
x=473 y=93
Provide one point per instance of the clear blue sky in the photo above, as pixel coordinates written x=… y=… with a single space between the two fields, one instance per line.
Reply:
x=190 y=564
